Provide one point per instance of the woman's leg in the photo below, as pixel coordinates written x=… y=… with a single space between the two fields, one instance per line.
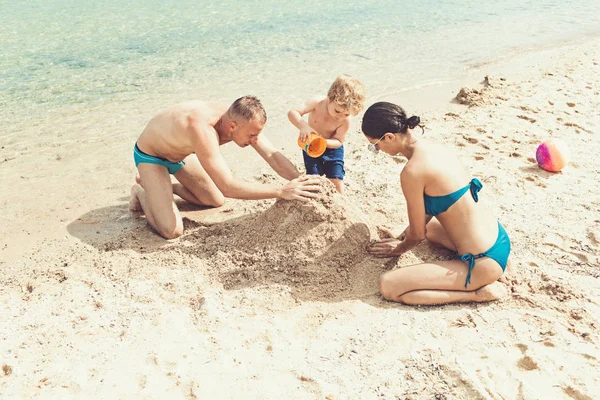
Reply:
x=440 y=282
x=493 y=291
x=437 y=234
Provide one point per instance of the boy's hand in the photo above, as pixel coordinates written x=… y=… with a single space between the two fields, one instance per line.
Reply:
x=305 y=133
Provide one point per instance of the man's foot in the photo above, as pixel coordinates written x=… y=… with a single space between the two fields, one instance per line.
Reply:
x=491 y=292
x=134 y=202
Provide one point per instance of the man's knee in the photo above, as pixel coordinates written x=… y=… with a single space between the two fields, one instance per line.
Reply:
x=171 y=234
x=170 y=230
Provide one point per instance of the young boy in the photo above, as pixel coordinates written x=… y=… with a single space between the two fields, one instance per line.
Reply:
x=329 y=116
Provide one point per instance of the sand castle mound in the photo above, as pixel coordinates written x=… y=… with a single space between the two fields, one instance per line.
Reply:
x=488 y=94
x=318 y=248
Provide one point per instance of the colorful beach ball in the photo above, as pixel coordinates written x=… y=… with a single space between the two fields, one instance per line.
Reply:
x=552 y=155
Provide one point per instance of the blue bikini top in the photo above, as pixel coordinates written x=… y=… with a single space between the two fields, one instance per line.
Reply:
x=435 y=205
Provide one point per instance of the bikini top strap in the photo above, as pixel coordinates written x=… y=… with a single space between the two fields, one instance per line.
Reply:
x=475 y=186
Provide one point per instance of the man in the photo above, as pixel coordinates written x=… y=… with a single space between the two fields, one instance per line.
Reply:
x=184 y=141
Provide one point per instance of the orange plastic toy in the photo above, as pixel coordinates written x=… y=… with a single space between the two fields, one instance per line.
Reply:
x=314 y=146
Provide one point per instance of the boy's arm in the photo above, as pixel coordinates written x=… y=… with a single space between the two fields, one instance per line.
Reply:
x=275 y=159
x=295 y=116
x=337 y=140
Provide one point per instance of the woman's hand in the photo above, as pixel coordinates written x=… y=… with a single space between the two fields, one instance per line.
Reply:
x=385 y=232
x=385 y=248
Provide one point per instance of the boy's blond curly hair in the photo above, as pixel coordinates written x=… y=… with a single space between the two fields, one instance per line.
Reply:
x=349 y=93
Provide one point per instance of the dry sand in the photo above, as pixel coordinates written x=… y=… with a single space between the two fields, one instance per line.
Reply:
x=275 y=299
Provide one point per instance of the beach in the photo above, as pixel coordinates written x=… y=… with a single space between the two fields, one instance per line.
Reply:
x=95 y=305
x=273 y=299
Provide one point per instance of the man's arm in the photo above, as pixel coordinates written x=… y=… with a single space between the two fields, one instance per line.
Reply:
x=275 y=159
x=207 y=151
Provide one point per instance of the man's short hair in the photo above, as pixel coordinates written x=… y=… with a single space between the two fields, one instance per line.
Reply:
x=248 y=108
x=349 y=93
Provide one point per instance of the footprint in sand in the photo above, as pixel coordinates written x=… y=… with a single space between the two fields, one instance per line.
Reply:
x=526 y=118
x=594 y=235
x=528 y=109
x=578 y=127
x=559 y=242
x=575 y=394
x=471 y=140
x=526 y=363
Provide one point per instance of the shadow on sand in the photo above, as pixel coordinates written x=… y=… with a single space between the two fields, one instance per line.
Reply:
x=340 y=271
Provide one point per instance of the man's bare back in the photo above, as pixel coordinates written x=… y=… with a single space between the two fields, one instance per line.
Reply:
x=168 y=134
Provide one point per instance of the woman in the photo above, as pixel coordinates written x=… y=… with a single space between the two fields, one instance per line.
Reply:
x=442 y=203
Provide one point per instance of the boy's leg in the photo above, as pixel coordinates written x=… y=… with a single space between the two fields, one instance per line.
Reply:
x=196 y=186
x=333 y=165
x=313 y=166
x=339 y=185
x=155 y=197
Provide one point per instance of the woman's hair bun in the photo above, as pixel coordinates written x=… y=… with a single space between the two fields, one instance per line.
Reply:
x=413 y=122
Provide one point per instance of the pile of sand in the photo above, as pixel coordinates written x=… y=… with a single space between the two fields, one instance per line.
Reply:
x=488 y=94
x=318 y=248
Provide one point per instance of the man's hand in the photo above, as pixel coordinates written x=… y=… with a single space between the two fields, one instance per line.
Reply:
x=385 y=248
x=303 y=188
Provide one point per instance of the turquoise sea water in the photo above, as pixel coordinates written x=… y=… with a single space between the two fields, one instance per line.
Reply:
x=58 y=54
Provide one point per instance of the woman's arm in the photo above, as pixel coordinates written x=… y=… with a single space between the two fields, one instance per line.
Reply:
x=413 y=186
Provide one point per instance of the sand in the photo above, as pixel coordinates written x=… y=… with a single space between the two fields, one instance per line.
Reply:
x=277 y=299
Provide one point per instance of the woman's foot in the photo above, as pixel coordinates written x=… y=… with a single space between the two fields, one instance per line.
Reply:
x=491 y=292
x=134 y=202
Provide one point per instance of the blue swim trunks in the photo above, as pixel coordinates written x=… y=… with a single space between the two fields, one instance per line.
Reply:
x=141 y=157
x=330 y=164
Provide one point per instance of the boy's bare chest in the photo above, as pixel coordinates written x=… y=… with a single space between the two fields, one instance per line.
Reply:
x=324 y=124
